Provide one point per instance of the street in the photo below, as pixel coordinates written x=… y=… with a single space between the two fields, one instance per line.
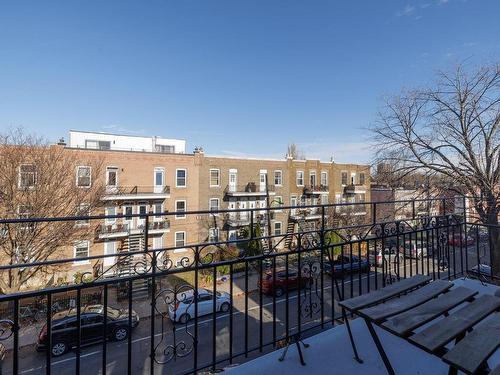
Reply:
x=249 y=330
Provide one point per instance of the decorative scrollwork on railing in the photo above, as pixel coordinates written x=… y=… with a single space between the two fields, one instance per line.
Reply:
x=177 y=305
x=310 y=303
x=6 y=329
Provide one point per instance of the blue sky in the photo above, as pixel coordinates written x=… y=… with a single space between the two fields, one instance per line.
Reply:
x=236 y=77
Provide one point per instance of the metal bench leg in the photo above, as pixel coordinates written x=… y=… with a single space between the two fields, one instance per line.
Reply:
x=380 y=348
x=353 y=344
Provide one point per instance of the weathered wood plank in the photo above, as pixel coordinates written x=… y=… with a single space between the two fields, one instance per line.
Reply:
x=402 y=324
x=445 y=330
x=389 y=291
x=398 y=305
x=476 y=347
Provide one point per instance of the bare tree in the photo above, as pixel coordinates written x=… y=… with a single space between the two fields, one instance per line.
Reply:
x=38 y=180
x=450 y=130
x=294 y=152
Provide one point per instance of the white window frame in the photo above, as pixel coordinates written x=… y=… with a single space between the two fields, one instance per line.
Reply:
x=90 y=176
x=155 y=217
x=364 y=178
x=110 y=221
x=281 y=228
x=83 y=207
x=177 y=178
x=353 y=178
x=313 y=173
x=217 y=232
x=19 y=179
x=218 y=177
x=297 y=178
x=210 y=205
x=341 y=178
x=108 y=169
x=162 y=171
x=80 y=262
x=175 y=241
x=280 y=172
x=325 y=174
x=181 y=216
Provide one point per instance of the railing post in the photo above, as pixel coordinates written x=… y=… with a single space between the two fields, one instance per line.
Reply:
x=374 y=213
x=322 y=239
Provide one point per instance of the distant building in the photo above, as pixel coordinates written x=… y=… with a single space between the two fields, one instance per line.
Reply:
x=119 y=142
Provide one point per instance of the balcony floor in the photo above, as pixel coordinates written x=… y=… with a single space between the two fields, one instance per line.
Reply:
x=330 y=352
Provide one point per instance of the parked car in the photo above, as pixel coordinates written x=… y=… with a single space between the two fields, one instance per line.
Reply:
x=278 y=285
x=64 y=328
x=415 y=249
x=184 y=310
x=345 y=265
x=460 y=240
x=391 y=255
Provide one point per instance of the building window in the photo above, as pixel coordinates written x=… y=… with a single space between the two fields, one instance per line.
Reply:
x=361 y=178
x=83 y=176
x=344 y=178
x=81 y=251
x=158 y=210
x=277 y=228
x=25 y=212
x=180 y=206
x=300 y=178
x=97 y=145
x=213 y=204
x=213 y=234
x=165 y=149
x=312 y=178
x=27 y=176
x=324 y=179
x=180 y=178
x=278 y=178
x=214 y=177
x=111 y=177
x=83 y=210
x=361 y=198
x=110 y=211
x=324 y=198
x=180 y=239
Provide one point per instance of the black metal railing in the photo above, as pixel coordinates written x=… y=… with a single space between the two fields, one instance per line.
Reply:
x=198 y=304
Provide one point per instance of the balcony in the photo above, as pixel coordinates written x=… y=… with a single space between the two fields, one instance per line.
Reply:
x=242 y=219
x=122 y=230
x=134 y=193
x=315 y=190
x=238 y=309
x=249 y=190
x=354 y=189
x=305 y=213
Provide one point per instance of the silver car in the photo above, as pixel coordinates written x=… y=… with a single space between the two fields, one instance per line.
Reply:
x=183 y=311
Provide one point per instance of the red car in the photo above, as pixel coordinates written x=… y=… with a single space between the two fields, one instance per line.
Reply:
x=460 y=240
x=278 y=286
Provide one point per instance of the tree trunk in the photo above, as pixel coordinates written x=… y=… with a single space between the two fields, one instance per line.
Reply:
x=494 y=241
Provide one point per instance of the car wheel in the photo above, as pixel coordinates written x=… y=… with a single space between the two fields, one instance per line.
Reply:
x=120 y=333
x=225 y=307
x=184 y=318
x=279 y=292
x=59 y=348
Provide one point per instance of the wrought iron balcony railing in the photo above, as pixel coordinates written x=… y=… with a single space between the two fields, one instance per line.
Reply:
x=184 y=307
x=250 y=189
x=135 y=192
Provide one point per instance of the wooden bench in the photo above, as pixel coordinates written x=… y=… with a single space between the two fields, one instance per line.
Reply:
x=405 y=306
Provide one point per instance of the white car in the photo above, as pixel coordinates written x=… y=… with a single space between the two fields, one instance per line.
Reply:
x=183 y=311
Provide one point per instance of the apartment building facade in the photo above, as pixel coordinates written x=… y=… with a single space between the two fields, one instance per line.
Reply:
x=158 y=180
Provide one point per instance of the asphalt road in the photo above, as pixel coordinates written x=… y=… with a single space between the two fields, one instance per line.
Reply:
x=249 y=330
